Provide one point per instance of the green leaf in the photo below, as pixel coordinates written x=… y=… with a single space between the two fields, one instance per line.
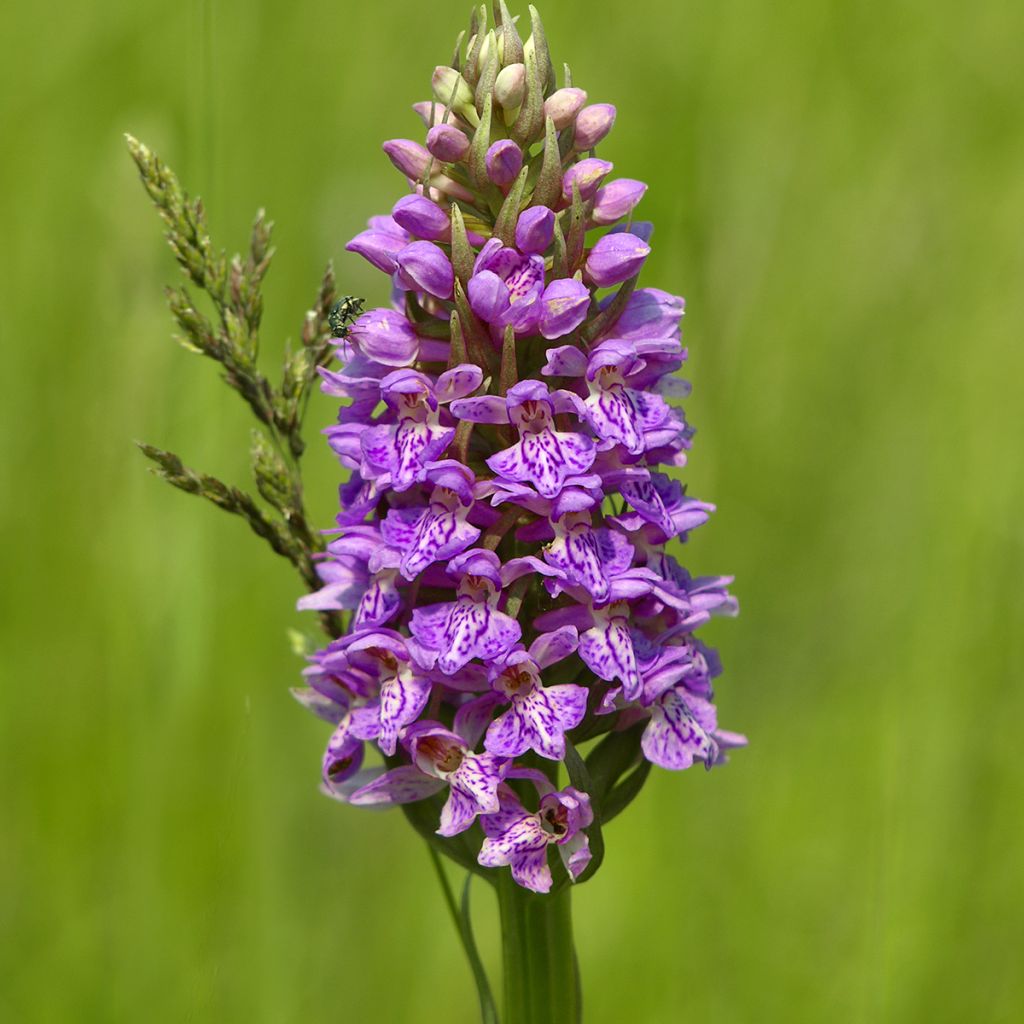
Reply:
x=626 y=792
x=614 y=756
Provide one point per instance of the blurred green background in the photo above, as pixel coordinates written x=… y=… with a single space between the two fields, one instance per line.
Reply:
x=838 y=192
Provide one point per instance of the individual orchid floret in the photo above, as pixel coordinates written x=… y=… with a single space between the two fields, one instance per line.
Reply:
x=447 y=143
x=404 y=448
x=586 y=557
x=402 y=689
x=503 y=162
x=535 y=229
x=563 y=105
x=452 y=90
x=440 y=758
x=586 y=176
x=361 y=574
x=409 y=157
x=332 y=703
x=616 y=200
x=683 y=729
x=439 y=531
x=564 y=306
x=384 y=336
x=519 y=839
x=538 y=717
x=423 y=267
x=606 y=640
x=618 y=413
x=650 y=314
x=521 y=280
x=421 y=217
x=593 y=123
x=544 y=456
x=454 y=632
x=663 y=504
x=380 y=242
x=616 y=258
x=510 y=85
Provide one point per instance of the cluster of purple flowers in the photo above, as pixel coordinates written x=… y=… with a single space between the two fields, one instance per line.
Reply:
x=500 y=554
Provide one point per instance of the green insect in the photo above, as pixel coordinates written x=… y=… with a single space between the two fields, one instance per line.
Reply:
x=342 y=313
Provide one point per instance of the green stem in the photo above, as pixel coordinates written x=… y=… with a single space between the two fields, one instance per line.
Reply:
x=538 y=957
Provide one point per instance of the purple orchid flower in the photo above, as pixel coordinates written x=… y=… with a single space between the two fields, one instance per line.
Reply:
x=538 y=716
x=404 y=448
x=380 y=242
x=382 y=656
x=508 y=287
x=440 y=530
x=519 y=839
x=440 y=758
x=544 y=457
x=617 y=412
x=452 y=633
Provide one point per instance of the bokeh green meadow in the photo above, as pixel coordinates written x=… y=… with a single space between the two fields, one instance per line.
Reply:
x=838 y=192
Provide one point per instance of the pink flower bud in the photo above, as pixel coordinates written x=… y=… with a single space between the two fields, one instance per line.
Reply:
x=593 y=123
x=563 y=105
x=421 y=217
x=408 y=156
x=447 y=143
x=616 y=258
x=535 y=230
x=503 y=161
x=510 y=86
x=588 y=175
x=617 y=199
x=423 y=267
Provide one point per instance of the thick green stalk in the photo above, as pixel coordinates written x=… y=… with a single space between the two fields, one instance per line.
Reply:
x=538 y=957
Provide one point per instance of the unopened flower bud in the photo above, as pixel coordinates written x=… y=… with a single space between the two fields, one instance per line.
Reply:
x=535 y=230
x=616 y=200
x=423 y=267
x=385 y=336
x=447 y=143
x=450 y=87
x=380 y=243
x=588 y=175
x=615 y=258
x=564 y=307
x=408 y=156
x=510 y=86
x=488 y=296
x=503 y=161
x=563 y=105
x=421 y=217
x=593 y=123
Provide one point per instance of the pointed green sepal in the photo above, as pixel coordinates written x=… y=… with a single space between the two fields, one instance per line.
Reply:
x=458 y=350
x=481 y=143
x=577 y=231
x=611 y=312
x=462 y=251
x=548 y=189
x=509 y=374
x=508 y=216
x=540 y=48
x=529 y=125
x=513 y=44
